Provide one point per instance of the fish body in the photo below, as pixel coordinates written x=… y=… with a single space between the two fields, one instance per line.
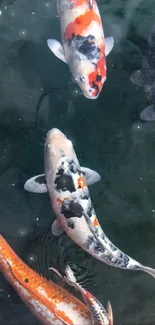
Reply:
x=71 y=202
x=99 y=315
x=51 y=304
x=145 y=77
x=83 y=44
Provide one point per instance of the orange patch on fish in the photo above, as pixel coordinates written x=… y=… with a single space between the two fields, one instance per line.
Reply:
x=78 y=2
x=80 y=24
x=81 y=183
x=100 y=70
x=59 y=200
x=95 y=222
x=46 y=293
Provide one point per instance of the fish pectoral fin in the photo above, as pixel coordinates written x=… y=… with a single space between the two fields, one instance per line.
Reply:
x=148 y=114
x=56 y=48
x=109 y=43
x=110 y=313
x=56 y=229
x=90 y=175
x=136 y=78
x=36 y=184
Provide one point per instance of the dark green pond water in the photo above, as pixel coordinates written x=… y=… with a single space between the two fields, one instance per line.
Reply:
x=108 y=136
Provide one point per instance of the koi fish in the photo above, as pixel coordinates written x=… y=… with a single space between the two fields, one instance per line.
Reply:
x=99 y=315
x=50 y=303
x=145 y=77
x=66 y=183
x=84 y=47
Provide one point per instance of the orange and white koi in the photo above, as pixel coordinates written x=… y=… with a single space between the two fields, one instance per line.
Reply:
x=99 y=315
x=51 y=304
x=84 y=47
x=67 y=186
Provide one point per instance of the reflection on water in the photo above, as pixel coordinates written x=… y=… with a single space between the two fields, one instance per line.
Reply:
x=44 y=251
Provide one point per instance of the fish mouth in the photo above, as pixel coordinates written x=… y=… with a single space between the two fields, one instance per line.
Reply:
x=91 y=97
x=54 y=132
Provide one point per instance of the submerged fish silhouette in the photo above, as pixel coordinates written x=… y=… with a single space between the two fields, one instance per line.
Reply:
x=67 y=183
x=146 y=77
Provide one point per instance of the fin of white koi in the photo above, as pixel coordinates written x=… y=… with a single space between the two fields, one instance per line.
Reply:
x=36 y=184
x=110 y=313
x=57 y=272
x=91 y=175
x=109 y=43
x=56 y=229
x=56 y=48
x=70 y=275
x=148 y=270
x=136 y=78
x=148 y=114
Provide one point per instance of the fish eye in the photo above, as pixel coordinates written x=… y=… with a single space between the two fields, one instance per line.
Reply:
x=82 y=79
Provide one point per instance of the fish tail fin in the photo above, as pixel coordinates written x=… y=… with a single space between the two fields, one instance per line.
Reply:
x=110 y=313
x=148 y=270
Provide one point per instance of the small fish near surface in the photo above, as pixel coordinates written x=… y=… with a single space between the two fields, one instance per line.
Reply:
x=84 y=47
x=67 y=185
x=99 y=315
x=49 y=302
x=145 y=77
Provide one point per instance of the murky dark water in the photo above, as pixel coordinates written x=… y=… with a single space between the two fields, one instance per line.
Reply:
x=108 y=136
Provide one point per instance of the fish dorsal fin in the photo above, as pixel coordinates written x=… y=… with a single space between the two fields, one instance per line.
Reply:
x=57 y=49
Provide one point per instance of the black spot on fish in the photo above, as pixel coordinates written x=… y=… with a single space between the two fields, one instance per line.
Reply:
x=90 y=210
x=70 y=224
x=64 y=182
x=98 y=77
x=86 y=46
x=71 y=209
x=85 y=197
x=26 y=280
x=74 y=168
x=112 y=247
x=40 y=180
x=82 y=79
x=90 y=4
x=92 y=241
x=96 y=87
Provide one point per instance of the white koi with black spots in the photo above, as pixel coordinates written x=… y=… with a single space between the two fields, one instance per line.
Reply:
x=66 y=183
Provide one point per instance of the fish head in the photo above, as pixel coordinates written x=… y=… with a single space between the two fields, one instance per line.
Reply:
x=88 y=77
x=57 y=148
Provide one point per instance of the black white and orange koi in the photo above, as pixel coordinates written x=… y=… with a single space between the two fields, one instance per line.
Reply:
x=84 y=47
x=66 y=183
x=99 y=315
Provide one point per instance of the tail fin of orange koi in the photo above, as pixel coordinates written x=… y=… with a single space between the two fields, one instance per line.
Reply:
x=110 y=313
